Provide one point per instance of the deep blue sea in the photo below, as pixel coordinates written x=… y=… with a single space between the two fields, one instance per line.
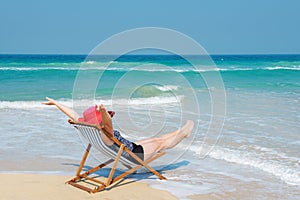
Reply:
x=255 y=155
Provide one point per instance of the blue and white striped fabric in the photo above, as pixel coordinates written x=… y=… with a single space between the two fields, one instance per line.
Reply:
x=92 y=135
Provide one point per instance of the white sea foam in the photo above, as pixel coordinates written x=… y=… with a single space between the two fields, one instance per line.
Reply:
x=166 y=88
x=143 y=101
x=236 y=69
x=284 y=68
x=37 y=68
x=268 y=160
x=90 y=62
x=28 y=105
x=155 y=100
x=64 y=157
x=21 y=105
x=91 y=65
x=182 y=190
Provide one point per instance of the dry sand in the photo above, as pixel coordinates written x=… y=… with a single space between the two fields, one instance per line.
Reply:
x=46 y=187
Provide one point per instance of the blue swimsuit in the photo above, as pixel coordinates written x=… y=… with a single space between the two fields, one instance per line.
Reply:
x=124 y=141
x=136 y=149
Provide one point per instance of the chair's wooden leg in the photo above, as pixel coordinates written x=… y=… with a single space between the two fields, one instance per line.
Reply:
x=83 y=175
x=146 y=165
x=99 y=188
x=130 y=171
x=81 y=187
x=161 y=177
x=86 y=153
x=112 y=171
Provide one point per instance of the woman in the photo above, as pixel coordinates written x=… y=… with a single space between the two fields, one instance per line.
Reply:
x=146 y=148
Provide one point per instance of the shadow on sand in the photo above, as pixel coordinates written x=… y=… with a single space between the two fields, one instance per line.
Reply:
x=141 y=174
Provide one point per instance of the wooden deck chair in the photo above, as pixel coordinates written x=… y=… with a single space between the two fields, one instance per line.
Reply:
x=91 y=133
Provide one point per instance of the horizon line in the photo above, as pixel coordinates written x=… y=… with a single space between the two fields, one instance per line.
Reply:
x=150 y=54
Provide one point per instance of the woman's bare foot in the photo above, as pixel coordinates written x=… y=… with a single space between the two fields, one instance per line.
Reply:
x=186 y=130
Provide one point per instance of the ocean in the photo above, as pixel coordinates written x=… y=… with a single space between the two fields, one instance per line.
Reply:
x=252 y=153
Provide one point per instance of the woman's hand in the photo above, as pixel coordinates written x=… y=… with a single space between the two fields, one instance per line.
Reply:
x=49 y=102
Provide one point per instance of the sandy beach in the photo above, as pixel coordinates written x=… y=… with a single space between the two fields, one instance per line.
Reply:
x=39 y=186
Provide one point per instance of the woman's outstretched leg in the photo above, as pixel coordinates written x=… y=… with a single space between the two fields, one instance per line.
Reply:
x=154 y=145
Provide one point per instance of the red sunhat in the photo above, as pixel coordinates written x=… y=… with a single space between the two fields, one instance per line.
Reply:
x=93 y=116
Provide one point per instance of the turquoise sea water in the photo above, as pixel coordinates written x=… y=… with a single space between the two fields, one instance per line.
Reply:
x=257 y=149
x=32 y=77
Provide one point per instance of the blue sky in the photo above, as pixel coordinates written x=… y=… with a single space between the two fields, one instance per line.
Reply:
x=220 y=26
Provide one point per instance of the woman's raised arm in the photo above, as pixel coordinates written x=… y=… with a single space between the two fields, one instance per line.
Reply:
x=68 y=111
